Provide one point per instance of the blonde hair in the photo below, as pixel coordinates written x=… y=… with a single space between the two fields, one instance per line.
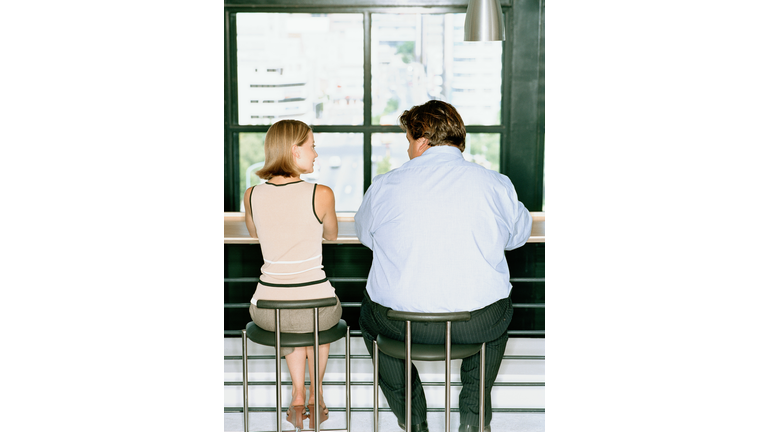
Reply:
x=278 y=158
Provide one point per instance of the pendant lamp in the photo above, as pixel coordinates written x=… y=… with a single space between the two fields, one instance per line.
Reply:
x=484 y=21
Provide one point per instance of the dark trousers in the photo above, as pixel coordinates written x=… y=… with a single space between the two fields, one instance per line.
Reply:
x=487 y=325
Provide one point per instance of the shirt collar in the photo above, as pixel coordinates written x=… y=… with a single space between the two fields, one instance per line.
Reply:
x=445 y=150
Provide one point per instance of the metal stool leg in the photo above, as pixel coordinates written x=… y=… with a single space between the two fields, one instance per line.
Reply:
x=278 y=372
x=348 y=383
x=408 y=376
x=245 y=382
x=317 y=372
x=375 y=386
x=447 y=376
x=481 y=410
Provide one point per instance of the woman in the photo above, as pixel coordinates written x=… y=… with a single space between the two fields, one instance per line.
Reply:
x=291 y=217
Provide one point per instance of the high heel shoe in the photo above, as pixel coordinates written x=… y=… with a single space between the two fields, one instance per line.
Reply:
x=323 y=415
x=296 y=415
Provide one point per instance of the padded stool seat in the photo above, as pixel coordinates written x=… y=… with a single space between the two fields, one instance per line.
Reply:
x=425 y=352
x=292 y=340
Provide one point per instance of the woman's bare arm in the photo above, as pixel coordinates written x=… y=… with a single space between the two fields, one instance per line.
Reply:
x=248 y=216
x=325 y=208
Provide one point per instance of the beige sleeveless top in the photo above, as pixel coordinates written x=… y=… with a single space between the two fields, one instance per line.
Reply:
x=290 y=235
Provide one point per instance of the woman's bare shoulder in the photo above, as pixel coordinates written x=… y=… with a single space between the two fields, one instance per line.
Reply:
x=324 y=191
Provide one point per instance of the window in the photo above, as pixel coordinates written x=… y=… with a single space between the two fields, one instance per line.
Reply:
x=349 y=71
x=417 y=57
x=389 y=151
x=306 y=67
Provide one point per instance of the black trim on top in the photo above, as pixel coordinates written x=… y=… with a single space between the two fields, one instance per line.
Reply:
x=250 y=201
x=284 y=184
x=293 y=285
x=314 y=191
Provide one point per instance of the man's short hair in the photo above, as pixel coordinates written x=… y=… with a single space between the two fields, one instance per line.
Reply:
x=278 y=159
x=437 y=121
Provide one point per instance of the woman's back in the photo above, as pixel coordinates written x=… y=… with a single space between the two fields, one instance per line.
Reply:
x=289 y=231
x=290 y=235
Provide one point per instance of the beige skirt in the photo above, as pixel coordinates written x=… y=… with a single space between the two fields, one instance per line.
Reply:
x=296 y=320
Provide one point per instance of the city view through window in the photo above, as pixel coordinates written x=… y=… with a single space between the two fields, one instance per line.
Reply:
x=309 y=67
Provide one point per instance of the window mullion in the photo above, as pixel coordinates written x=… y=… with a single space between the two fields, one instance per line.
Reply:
x=231 y=154
x=367 y=100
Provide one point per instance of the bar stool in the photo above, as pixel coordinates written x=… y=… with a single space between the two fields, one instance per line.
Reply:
x=278 y=340
x=426 y=352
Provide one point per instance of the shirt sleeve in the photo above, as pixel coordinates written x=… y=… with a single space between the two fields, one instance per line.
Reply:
x=364 y=219
x=518 y=219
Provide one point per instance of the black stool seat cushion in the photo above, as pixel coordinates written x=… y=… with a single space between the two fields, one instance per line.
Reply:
x=424 y=352
x=263 y=337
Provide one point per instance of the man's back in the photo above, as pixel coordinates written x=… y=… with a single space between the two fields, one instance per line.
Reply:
x=438 y=227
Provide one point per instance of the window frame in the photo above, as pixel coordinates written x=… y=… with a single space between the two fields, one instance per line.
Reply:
x=522 y=162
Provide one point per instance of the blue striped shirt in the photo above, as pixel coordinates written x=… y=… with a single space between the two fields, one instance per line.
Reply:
x=438 y=227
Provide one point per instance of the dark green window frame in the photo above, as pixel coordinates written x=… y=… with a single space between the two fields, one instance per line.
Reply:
x=522 y=100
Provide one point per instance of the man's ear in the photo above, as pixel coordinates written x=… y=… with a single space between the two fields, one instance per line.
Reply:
x=422 y=145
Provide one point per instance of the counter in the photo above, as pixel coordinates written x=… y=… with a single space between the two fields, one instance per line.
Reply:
x=347 y=264
x=235 y=231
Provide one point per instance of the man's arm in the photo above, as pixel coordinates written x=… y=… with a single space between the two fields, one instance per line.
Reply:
x=364 y=219
x=521 y=228
x=519 y=219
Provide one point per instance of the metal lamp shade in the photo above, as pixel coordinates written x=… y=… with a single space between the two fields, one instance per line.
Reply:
x=484 y=21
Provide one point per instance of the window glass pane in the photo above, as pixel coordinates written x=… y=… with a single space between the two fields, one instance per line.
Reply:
x=483 y=149
x=339 y=165
x=390 y=150
x=416 y=58
x=251 y=160
x=307 y=67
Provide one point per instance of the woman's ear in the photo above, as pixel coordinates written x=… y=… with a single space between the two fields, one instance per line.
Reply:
x=295 y=151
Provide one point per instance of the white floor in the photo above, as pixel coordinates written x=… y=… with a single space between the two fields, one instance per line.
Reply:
x=363 y=422
x=519 y=370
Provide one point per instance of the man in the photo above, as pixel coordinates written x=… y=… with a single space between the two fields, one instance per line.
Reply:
x=438 y=227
